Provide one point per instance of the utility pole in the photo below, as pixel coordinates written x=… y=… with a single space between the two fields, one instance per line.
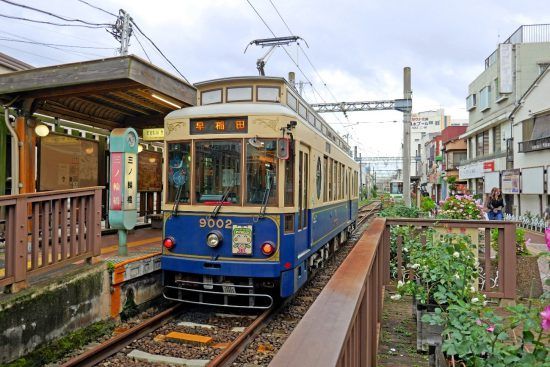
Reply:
x=407 y=93
x=360 y=177
x=126 y=33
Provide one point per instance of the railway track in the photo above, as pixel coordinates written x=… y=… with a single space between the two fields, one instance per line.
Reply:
x=246 y=340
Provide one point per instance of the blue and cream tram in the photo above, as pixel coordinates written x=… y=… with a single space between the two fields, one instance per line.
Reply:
x=259 y=191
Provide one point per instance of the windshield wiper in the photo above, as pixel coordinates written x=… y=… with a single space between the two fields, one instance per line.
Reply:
x=267 y=192
x=219 y=205
x=177 y=200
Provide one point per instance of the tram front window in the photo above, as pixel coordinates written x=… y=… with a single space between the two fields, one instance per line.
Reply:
x=261 y=171
x=179 y=174
x=218 y=171
x=396 y=188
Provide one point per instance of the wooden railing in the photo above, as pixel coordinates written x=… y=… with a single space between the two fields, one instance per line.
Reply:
x=342 y=326
x=497 y=274
x=42 y=231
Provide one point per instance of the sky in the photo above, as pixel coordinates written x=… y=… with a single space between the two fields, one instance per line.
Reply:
x=357 y=49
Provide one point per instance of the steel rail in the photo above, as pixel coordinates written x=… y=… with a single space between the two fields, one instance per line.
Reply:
x=108 y=348
x=241 y=342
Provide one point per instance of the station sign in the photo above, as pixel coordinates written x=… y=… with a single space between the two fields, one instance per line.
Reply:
x=153 y=134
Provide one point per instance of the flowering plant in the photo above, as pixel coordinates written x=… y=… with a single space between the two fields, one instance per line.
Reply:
x=460 y=207
x=477 y=336
x=444 y=270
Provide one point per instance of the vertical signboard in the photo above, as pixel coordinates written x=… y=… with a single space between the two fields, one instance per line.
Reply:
x=115 y=187
x=510 y=181
x=130 y=176
x=505 y=68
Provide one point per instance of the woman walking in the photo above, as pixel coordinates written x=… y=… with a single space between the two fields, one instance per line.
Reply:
x=495 y=204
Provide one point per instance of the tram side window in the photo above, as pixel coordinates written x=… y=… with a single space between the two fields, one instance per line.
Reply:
x=218 y=172
x=327 y=175
x=261 y=171
x=179 y=174
x=289 y=179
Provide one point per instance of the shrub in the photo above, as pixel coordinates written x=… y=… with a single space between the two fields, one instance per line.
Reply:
x=460 y=207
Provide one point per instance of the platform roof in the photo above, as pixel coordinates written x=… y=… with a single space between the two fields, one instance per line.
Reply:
x=107 y=93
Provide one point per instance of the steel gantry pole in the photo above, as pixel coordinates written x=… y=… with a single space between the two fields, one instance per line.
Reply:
x=407 y=93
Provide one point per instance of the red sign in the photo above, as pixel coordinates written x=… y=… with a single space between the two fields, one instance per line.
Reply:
x=116 y=181
x=489 y=166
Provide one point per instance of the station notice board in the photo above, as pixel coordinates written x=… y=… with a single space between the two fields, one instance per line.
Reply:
x=149 y=171
x=67 y=162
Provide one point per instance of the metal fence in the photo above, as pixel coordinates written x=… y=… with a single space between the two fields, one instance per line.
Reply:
x=497 y=274
x=42 y=231
x=534 y=223
x=342 y=326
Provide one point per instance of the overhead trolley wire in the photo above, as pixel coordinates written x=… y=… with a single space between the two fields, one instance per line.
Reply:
x=158 y=49
x=55 y=15
x=54 y=44
x=142 y=48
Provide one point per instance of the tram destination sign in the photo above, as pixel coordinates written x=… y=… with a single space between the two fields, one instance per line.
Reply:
x=225 y=125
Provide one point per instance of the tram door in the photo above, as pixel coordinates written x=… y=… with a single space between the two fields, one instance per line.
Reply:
x=303 y=193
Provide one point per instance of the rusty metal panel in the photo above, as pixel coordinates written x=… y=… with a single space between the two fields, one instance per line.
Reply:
x=334 y=341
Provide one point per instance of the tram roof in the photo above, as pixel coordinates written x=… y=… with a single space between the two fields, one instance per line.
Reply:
x=222 y=109
x=107 y=93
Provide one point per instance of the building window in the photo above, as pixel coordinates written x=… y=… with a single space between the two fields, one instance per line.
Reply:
x=211 y=96
x=471 y=102
x=239 y=94
x=486 y=142
x=485 y=98
x=479 y=145
x=496 y=139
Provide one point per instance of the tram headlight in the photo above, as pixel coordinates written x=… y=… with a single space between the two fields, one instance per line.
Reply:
x=213 y=239
x=169 y=243
x=268 y=248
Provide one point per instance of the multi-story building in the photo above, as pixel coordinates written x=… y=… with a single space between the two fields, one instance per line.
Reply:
x=509 y=72
x=453 y=152
x=531 y=131
x=422 y=124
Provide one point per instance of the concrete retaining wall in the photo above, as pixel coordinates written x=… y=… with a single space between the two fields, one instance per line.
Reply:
x=43 y=313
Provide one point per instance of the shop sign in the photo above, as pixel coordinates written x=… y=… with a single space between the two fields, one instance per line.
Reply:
x=473 y=170
x=489 y=166
x=510 y=181
x=153 y=134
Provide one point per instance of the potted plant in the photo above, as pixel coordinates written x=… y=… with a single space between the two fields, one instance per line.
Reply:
x=444 y=271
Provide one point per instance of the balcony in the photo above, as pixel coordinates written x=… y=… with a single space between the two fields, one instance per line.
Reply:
x=533 y=145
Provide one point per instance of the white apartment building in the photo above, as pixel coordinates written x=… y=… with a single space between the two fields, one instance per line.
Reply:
x=423 y=124
x=510 y=71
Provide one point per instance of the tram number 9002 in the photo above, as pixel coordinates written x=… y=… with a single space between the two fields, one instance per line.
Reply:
x=212 y=223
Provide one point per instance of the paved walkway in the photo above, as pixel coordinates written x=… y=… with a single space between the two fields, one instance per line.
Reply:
x=536 y=246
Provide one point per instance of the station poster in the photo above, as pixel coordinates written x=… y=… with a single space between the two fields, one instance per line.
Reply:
x=67 y=162
x=149 y=171
x=510 y=181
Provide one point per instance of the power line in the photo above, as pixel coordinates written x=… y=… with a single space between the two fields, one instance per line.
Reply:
x=98 y=8
x=54 y=44
x=54 y=15
x=158 y=49
x=303 y=51
x=50 y=23
x=32 y=53
x=143 y=49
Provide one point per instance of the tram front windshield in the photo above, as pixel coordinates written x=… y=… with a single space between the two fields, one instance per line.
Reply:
x=218 y=171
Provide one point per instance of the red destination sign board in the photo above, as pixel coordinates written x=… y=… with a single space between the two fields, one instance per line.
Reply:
x=116 y=181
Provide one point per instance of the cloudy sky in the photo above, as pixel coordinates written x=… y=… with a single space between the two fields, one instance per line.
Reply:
x=358 y=48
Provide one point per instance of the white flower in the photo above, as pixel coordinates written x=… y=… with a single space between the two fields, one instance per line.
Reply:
x=457 y=276
x=405 y=249
x=396 y=297
x=475 y=299
x=415 y=266
x=456 y=254
x=473 y=289
x=400 y=284
x=485 y=303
